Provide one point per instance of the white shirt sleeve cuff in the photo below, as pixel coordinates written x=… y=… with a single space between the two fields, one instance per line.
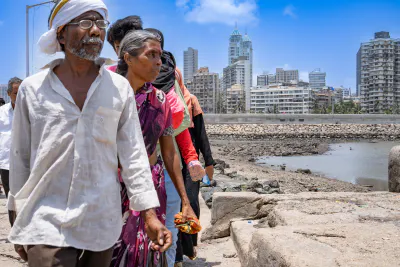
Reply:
x=144 y=201
x=11 y=202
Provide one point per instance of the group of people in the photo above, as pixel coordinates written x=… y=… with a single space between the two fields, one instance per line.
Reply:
x=102 y=158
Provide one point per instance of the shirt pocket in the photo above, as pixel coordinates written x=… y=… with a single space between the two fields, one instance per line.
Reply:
x=105 y=125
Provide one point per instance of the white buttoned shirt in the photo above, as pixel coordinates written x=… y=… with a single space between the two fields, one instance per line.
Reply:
x=6 y=117
x=64 y=162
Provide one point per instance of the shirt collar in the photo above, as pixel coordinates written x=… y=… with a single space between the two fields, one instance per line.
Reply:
x=100 y=62
x=147 y=88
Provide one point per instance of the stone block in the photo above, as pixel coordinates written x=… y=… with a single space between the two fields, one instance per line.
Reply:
x=394 y=170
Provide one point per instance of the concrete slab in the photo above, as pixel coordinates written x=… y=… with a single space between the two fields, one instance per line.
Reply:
x=241 y=235
x=322 y=229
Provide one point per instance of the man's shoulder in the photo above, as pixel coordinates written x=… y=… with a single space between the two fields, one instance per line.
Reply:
x=34 y=81
x=120 y=82
x=4 y=108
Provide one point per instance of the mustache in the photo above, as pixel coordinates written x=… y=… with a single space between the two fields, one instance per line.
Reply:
x=93 y=40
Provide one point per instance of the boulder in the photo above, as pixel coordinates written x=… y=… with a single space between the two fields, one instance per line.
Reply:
x=394 y=170
x=228 y=207
x=208 y=192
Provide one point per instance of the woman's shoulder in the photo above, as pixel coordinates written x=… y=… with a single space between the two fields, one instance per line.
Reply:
x=157 y=95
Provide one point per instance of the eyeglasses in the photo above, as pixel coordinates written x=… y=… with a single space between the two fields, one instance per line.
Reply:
x=87 y=24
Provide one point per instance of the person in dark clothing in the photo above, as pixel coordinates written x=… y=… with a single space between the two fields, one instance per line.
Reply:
x=120 y=28
x=187 y=244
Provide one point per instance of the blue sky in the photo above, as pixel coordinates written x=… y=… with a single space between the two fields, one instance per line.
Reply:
x=293 y=34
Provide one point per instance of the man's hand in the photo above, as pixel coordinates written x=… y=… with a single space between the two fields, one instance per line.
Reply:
x=18 y=248
x=21 y=252
x=187 y=211
x=210 y=171
x=156 y=231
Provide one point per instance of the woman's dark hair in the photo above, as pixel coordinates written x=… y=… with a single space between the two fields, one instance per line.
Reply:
x=131 y=44
x=121 y=27
x=158 y=34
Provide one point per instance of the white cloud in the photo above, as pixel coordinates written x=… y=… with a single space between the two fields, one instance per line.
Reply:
x=289 y=11
x=304 y=76
x=219 y=11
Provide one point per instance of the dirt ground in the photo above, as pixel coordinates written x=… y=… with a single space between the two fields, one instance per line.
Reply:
x=216 y=253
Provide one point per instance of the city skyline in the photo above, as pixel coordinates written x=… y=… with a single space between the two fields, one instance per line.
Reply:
x=295 y=35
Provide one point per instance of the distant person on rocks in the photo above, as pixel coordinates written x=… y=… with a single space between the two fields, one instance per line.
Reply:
x=74 y=123
x=187 y=243
x=6 y=119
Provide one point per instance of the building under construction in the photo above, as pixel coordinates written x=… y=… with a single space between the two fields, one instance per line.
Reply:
x=378 y=74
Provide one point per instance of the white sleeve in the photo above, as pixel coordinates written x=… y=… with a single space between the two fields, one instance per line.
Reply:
x=133 y=158
x=20 y=147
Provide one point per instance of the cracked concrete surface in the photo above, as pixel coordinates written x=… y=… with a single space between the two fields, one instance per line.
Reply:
x=321 y=229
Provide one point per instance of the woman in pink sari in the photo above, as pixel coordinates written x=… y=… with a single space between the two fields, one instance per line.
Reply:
x=139 y=62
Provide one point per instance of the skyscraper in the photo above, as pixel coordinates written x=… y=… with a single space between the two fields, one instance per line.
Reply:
x=317 y=79
x=238 y=73
x=358 y=87
x=190 y=63
x=240 y=68
x=378 y=74
x=235 y=46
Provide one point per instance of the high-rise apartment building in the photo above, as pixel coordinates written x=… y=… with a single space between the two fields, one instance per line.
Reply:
x=262 y=80
x=317 y=79
x=287 y=76
x=239 y=73
x=235 y=99
x=3 y=93
x=205 y=86
x=190 y=63
x=281 y=99
x=266 y=79
x=378 y=69
x=240 y=69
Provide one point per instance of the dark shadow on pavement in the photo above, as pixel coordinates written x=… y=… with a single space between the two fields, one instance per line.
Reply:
x=199 y=262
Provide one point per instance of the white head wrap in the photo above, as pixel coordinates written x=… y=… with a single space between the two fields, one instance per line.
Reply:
x=64 y=12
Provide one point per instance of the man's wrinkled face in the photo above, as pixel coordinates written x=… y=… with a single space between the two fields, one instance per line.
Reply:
x=13 y=94
x=86 y=44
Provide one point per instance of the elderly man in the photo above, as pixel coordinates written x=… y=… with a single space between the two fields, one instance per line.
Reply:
x=6 y=117
x=76 y=121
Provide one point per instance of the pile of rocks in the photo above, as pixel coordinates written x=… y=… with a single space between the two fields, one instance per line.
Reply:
x=281 y=148
x=284 y=131
x=231 y=181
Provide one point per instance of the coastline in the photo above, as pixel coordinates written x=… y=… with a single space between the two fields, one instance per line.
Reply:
x=237 y=170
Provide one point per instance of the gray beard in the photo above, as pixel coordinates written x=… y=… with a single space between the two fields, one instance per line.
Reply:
x=81 y=53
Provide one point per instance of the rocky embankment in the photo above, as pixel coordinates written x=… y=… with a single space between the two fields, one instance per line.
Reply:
x=236 y=171
x=315 y=131
x=257 y=148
